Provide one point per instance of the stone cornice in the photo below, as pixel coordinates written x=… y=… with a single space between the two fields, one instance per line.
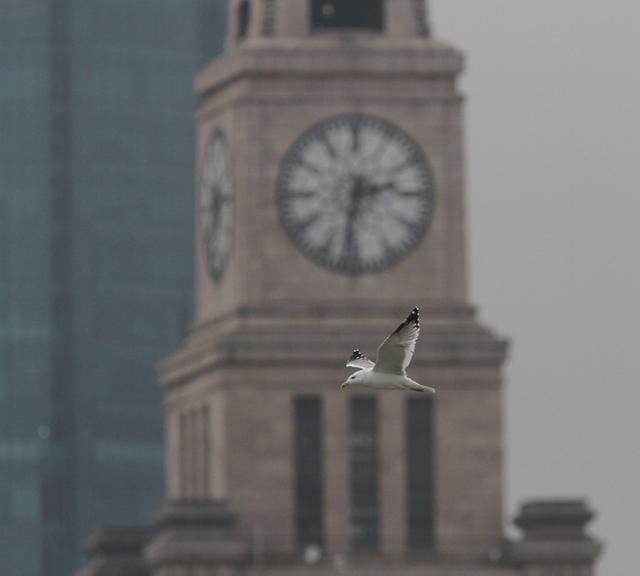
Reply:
x=197 y=533
x=252 y=339
x=331 y=57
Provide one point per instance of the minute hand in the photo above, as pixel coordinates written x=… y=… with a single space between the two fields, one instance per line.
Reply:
x=349 y=246
x=374 y=189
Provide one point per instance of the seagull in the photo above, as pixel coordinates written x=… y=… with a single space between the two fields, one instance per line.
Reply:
x=394 y=355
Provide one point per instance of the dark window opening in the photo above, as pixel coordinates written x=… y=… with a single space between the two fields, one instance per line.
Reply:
x=244 y=17
x=420 y=505
x=363 y=455
x=308 y=472
x=347 y=14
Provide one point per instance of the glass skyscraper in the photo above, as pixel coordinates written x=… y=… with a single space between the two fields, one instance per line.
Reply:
x=96 y=195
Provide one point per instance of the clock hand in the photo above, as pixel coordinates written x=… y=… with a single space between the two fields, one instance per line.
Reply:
x=393 y=187
x=215 y=224
x=354 y=126
x=350 y=247
x=218 y=200
x=373 y=189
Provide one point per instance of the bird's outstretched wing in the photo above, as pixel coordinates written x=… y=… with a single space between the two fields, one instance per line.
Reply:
x=357 y=360
x=395 y=353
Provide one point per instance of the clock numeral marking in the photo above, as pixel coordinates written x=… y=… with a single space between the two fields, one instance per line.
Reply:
x=306 y=165
x=410 y=193
x=355 y=126
x=406 y=222
x=304 y=194
x=325 y=138
x=325 y=247
x=400 y=167
x=307 y=222
x=378 y=153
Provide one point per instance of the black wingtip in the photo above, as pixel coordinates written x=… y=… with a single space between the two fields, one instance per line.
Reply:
x=413 y=318
x=356 y=355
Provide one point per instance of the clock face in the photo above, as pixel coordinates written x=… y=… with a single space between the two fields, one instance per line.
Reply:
x=216 y=205
x=355 y=194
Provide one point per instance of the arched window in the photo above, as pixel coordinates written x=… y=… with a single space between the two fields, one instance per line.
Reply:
x=244 y=18
x=347 y=14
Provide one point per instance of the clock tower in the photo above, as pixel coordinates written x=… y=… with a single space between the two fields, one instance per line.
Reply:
x=339 y=179
x=330 y=202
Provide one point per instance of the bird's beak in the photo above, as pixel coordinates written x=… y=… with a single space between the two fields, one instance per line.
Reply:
x=342 y=386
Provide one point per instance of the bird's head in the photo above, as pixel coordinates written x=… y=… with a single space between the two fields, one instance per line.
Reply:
x=353 y=379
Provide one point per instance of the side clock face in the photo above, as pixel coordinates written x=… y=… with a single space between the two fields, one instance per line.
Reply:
x=216 y=205
x=355 y=194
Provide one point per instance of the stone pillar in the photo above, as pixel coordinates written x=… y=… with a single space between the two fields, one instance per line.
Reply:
x=116 y=551
x=292 y=18
x=337 y=473
x=554 y=540
x=172 y=452
x=424 y=17
x=406 y=18
x=392 y=475
x=198 y=534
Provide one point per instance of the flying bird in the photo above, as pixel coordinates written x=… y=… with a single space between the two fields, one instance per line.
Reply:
x=394 y=355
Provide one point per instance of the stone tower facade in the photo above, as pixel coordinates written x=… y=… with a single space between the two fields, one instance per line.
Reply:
x=330 y=202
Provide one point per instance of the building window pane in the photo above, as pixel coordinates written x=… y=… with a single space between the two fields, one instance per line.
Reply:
x=363 y=453
x=308 y=471
x=419 y=442
x=347 y=14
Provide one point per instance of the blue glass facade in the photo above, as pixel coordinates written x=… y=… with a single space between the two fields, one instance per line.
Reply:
x=25 y=281
x=96 y=196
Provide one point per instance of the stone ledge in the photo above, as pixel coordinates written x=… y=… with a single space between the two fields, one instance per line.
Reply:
x=195 y=533
x=554 y=532
x=292 y=339
x=331 y=56
x=116 y=551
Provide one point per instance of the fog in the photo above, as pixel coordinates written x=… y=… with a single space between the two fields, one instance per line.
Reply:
x=553 y=140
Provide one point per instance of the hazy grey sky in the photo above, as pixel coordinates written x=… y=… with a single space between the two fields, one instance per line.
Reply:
x=554 y=158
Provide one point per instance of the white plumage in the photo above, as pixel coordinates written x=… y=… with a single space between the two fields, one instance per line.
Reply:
x=394 y=356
